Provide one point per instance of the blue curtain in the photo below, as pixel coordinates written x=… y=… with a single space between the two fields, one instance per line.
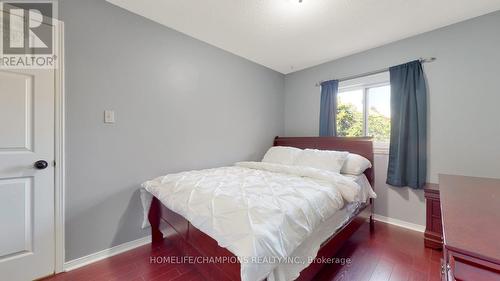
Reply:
x=328 y=108
x=408 y=148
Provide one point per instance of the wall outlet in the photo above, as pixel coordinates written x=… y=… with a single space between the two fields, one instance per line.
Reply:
x=109 y=116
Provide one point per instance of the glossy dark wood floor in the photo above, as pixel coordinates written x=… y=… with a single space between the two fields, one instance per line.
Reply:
x=389 y=253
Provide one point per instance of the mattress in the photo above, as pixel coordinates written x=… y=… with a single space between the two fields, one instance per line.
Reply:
x=310 y=247
x=365 y=190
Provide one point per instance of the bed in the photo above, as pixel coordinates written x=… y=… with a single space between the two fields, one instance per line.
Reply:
x=322 y=239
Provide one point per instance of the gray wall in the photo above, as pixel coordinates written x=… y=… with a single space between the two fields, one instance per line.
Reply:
x=180 y=104
x=464 y=98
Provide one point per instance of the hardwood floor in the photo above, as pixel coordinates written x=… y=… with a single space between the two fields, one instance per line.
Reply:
x=390 y=253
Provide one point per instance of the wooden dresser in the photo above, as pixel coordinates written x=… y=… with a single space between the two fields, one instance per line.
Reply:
x=433 y=236
x=470 y=209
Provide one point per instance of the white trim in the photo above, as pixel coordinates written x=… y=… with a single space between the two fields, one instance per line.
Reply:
x=107 y=253
x=79 y=262
x=59 y=171
x=365 y=111
x=367 y=81
x=381 y=148
x=400 y=223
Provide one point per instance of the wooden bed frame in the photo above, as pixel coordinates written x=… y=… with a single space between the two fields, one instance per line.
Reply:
x=192 y=242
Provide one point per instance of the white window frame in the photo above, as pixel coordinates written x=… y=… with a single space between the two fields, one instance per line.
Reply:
x=365 y=83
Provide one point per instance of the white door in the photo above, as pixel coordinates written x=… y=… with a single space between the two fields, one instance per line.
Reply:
x=26 y=192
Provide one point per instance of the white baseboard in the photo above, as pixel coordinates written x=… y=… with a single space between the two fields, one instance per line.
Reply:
x=83 y=261
x=400 y=223
x=79 y=262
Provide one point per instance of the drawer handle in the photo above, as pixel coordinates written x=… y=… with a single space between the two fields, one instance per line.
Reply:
x=444 y=270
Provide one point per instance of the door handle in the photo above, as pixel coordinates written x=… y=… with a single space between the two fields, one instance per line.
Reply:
x=40 y=164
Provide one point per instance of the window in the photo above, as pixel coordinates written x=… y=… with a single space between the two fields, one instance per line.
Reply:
x=363 y=109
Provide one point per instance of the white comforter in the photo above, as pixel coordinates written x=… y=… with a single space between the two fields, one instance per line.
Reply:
x=255 y=209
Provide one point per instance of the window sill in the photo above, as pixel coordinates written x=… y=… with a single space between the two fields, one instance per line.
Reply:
x=381 y=151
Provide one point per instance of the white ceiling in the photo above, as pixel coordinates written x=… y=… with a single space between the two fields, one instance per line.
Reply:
x=287 y=36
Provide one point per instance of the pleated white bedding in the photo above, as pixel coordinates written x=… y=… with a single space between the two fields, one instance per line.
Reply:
x=262 y=210
x=309 y=248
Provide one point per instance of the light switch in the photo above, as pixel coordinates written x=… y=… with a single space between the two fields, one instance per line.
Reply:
x=109 y=116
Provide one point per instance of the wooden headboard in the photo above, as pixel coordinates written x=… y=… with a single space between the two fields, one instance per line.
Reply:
x=359 y=145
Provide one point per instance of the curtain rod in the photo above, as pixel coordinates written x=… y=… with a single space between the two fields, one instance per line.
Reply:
x=422 y=60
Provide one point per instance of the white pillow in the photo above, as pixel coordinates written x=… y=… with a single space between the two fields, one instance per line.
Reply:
x=284 y=155
x=355 y=165
x=322 y=159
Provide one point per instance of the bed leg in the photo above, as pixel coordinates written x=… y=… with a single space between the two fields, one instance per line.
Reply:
x=372 y=224
x=154 y=217
x=372 y=221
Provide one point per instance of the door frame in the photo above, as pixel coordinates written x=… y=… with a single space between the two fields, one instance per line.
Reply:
x=59 y=153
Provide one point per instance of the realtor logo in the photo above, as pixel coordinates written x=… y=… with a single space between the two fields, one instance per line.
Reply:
x=27 y=28
x=28 y=34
